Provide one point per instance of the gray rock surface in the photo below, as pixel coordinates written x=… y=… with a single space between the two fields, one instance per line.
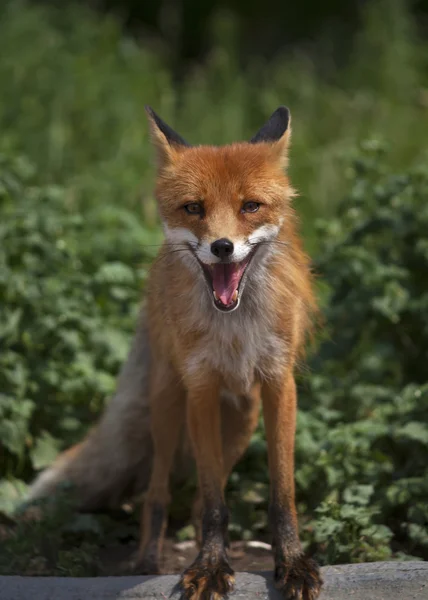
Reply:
x=370 y=581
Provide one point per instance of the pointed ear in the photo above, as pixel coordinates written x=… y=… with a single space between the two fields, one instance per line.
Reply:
x=167 y=142
x=276 y=132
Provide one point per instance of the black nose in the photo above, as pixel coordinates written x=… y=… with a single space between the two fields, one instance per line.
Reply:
x=222 y=248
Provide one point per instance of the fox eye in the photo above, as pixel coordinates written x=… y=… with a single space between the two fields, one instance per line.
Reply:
x=193 y=208
x=250 y=207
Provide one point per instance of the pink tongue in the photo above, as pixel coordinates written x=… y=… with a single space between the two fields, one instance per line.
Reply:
x=226 y=279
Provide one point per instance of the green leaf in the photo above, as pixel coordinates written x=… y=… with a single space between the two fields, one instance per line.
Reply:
x=44 y=451
x=414 y=431
x=358 y=494
x=12 y=492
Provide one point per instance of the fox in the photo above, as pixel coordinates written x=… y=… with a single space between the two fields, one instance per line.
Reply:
x=229 y=304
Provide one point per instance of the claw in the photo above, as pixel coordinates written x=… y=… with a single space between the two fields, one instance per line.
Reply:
x=205 y=580
x=298 y=579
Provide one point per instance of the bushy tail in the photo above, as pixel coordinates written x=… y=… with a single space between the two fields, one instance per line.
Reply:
x=113 y=462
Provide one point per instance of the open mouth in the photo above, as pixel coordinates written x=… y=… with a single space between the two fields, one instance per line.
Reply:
x=225 y=281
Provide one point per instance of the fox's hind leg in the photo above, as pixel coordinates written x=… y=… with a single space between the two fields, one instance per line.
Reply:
x=167 y=400
x=239 y=418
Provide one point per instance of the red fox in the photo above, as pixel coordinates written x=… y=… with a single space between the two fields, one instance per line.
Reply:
x=229 y=304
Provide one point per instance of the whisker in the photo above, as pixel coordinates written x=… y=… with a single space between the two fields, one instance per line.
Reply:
x=174 y=251
x=164 y=254
x=266 y=242
x=168 y=253
x=164 y=243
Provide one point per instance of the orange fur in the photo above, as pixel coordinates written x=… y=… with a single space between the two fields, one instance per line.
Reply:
x=221 y=180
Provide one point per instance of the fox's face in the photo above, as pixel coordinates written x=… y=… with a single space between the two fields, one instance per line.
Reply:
x=222 y=208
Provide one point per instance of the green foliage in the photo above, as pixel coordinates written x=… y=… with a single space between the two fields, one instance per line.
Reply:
x=50 y=541
x=73 y=92
x=370 y=390
x=69 y=295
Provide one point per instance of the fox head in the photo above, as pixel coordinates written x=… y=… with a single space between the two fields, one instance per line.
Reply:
x=223 y=207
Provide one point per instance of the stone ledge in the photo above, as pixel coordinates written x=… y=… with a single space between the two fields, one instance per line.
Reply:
x=369 y=581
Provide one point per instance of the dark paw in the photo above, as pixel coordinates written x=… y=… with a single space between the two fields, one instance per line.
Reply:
x=207 y=579
x=298 y=579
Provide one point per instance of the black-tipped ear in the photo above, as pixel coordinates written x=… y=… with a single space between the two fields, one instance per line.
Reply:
x=275 y=128
x=171 y=136
x=167 y=142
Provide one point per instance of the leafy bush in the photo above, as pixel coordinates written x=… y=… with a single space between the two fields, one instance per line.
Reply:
x=69 y=293
x=52 y=542
x=370 y=387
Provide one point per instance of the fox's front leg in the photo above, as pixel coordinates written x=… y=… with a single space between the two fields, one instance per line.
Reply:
x=296 y=576
x=210 y=577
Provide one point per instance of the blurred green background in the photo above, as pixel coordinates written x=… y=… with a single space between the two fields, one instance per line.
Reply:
x=78 y=221
x=74 y=83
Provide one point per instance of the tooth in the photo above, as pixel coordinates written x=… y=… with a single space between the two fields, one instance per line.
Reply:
x=215 y=295
x=235 y=296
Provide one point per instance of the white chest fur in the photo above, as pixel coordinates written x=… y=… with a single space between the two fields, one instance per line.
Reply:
x=239 y=346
